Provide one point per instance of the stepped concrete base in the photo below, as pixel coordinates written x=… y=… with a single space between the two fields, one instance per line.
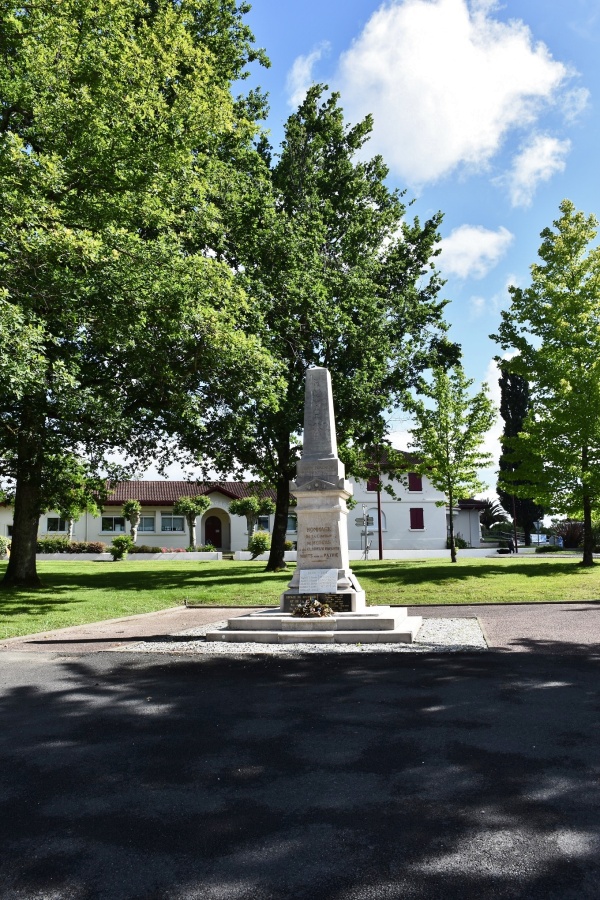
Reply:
x=382 y=625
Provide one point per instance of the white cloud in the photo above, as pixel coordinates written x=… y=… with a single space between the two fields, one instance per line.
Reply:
x=472 y=250
x=300 y=76
x=445 y=82
x=492 y=305
x=574 y=102
x=540 y=158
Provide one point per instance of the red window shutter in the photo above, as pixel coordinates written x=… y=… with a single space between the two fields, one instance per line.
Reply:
x=415 y=482
x=373 y=483
x=417 y=521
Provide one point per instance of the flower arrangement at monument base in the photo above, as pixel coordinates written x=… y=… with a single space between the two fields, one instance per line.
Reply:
x=312 y=608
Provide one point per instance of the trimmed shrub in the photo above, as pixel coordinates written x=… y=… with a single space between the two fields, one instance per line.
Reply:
x=205 y=548
x=52 y=545
x=259 y=543
x=95 y=547
x=120 y=547
x=288 y=545
x=459 y=542
x=61 y=545
x=145 y=548
x=4 y=546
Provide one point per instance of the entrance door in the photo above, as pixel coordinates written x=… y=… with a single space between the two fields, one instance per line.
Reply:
x=212 y=532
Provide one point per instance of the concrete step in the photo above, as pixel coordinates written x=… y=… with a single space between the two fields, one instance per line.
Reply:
x=327 y=623
x=404 y=633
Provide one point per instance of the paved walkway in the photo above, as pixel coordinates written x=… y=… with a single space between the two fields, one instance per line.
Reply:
x=519 y=627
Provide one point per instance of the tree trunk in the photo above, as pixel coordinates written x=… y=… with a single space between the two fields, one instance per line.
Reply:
x=282 y=504
x=250 y=520
x=71 y=529
x=21 y=570
x=192 y=527
x=527 y=534
x=588 y=535
x=452 y=544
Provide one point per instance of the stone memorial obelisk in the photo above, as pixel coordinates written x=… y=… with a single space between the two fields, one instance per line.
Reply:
x=321 y=490
x=323 y=570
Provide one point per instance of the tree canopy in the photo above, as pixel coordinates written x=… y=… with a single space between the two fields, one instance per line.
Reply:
x=251 y=508
x=337 y=277
x=554 y=327
x=514 y=404
x=117 y=131
x=448 y=435
x=191 y=508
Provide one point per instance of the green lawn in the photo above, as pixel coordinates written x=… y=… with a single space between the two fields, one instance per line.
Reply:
x=75 y=593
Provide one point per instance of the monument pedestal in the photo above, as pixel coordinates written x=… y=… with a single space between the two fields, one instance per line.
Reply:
x=381 y=625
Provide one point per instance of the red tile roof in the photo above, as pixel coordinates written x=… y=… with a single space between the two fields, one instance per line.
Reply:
x=165 y=493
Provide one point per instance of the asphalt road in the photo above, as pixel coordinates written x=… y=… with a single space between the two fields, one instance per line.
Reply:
x=146 y=777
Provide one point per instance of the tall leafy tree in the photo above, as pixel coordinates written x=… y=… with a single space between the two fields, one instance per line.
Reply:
x=338 y=278
x=117 y=130
x=190 y=508
x=554 y=325
x=514 y=404
x=251 y=508
x=447 y=438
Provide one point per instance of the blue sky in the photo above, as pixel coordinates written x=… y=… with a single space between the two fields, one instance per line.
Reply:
x=486 y=111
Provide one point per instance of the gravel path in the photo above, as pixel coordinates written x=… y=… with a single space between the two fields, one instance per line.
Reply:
x=442 y=635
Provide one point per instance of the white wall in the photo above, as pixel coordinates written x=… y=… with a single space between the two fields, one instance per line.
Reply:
x=397 y=533
x=467 y=524
x=89 y=528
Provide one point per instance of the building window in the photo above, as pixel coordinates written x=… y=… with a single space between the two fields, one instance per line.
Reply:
x=56 y=524
x=146 y=523
x=373 y=483
x=113 y=524
x=415 y=482
x=173 y=524
x=417 y=521
x=262 y=523
x=292 y=523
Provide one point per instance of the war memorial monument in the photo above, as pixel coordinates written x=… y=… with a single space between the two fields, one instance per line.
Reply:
x=323 y=574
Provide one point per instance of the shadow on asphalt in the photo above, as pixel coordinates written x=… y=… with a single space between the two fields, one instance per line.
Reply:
x=346 y=777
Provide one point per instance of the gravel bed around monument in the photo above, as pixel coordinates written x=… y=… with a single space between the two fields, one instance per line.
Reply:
x=440 y=635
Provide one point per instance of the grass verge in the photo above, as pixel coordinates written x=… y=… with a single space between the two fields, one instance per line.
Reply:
x=81 y=592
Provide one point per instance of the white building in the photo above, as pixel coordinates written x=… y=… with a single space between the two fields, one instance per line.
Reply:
x=413 y=521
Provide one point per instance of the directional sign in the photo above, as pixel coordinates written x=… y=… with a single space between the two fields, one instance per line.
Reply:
x=361 y=521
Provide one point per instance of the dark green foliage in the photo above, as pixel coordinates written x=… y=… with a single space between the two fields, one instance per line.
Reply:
x=338 y=278
x=117 y=130
x=571 y=532
x=553 y=327
x=514 y=406
x=493 y=514
x=61 y=545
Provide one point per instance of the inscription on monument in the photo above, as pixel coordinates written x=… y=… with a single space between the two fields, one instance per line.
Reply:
x=320 y=544
x=318 y=581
